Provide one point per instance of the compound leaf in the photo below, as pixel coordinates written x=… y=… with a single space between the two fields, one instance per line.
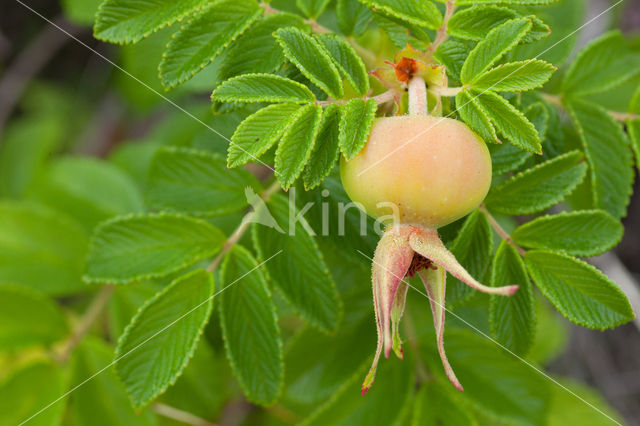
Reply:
x=473 y=113
x=347 y=61
x=539 y=187
x=131 y=248
x=262 y=88
x=312 y=8
x=312 y=59
x=418 y=12
x=297 y=143
x=250 y=327
x=353 y=17
x=580 y=233
x=355 y=125
x=512 y=319
x=515 y=76
x=161 y=338
x=584 y=295
x=326 y=150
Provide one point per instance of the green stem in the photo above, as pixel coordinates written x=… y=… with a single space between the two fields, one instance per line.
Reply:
x=441 y=35
x=179 y=415
x=618 y=116
x=503 y=234
x=243 y=227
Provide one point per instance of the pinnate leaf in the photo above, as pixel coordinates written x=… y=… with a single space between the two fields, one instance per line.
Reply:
x=580 y=233
x=197 y=183
x=250 y=327
x=312 y=59
x=28 y=318
x=355 y=125
x=515 y=76
x=161 y=338
x=199 y=41
x=135 y=247
x=347 y=61
x=418 y=12
x=299 y=271
x=471 y=248
x=607 y=150
x=326 y=150
x=476 y=117
x=512 y=319
x=604 y=63
x=297 y=144
x=584 y=295
x=509 y=121
x=256 y=50
x=487 y=52
x=41 y=249
x=262 y=88
x=452 y=54
x=259 y=132
x=475 y=22
x=506 y=158
x=129 y=21
x=539 y=187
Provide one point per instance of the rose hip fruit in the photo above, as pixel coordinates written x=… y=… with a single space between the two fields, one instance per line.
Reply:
x=434 y=170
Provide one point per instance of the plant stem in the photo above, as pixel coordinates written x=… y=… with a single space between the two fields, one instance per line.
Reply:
x=380 y=99
x=179 y=415
x=618 y=116
x=503 y=234
x=91 y=314
x=417 y=96
x=441 y=35
x=243 y=227
x=446 y=91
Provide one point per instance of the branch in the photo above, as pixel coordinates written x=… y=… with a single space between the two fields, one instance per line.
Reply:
x=441 y=35
x=243 y=227
x=446 y=91
x=503 y=234
x=90 y=316
x=380 y=99
x=35 y=56
x=179 y=415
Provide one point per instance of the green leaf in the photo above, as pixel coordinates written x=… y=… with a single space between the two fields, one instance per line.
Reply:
x=297 y=143
x=506 y=158
x=471 y=248
x=101 y=401
x=28 y=318
x=136 y=247
x=452 y=54
x=256 y=50
x=312 y=59
x=384 y=404
x=197 y=183
x=41 y=249
x=437 y=405
x=607 y=150
x=565 y=408
x=129 y=21
x=300 y=271
x=539 y=187
x=161 y=338
x=259 y=132
x=347 y=61
x=581 y=233
x=604 y=63
x=584 y=295
x=515 y=76
x=633 y=126
x=28 y=390
x=487 y=52
x=474 y=114
x=512 y=319
x=509 y=121
x=326 y=150
x=418 y=12
x=514 y=2
x=495 y=382
x=355 y=125
x=199 y=41
x=89 y=190
x=353 y=17
x=475 y=22
x=250 y=327
x=312 y=8
x=262 y=88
